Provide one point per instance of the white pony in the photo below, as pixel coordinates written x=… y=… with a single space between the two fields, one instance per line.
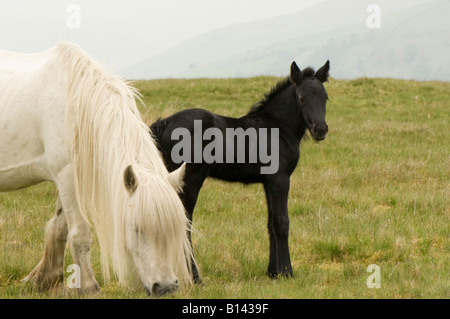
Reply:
x=63 y=118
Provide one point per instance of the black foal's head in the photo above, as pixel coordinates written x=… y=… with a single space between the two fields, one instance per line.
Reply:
x=312 y=97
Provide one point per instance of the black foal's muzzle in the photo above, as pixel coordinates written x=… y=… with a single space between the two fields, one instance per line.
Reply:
x=319 y=131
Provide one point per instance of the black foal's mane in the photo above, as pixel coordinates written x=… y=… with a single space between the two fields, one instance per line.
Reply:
x=280 y=86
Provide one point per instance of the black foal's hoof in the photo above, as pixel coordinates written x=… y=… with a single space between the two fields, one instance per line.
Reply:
x=275 y=275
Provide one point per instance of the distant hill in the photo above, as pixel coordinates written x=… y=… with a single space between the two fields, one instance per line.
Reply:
x=412 y=43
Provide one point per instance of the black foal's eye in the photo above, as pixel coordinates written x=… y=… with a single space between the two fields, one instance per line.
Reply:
x=302 y=101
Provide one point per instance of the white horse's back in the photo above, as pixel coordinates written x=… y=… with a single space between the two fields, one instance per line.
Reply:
x=31 y=103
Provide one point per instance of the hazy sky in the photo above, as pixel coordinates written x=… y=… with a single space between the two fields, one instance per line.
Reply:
x=121 y=32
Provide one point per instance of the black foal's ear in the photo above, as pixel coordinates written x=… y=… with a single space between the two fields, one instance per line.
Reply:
x=296 y=75
x=322 y=73
x=129 y=180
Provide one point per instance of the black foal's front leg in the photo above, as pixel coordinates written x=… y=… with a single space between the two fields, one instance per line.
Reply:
x=277 y=190
x=271 y=269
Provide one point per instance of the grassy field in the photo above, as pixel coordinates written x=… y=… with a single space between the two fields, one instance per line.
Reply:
x=374 y=192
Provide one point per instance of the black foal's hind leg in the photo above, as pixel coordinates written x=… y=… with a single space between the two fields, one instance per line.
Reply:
x=277 y=190
x=194 y=178
x=189 y=200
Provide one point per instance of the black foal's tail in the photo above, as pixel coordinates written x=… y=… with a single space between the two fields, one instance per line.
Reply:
x=157 y=130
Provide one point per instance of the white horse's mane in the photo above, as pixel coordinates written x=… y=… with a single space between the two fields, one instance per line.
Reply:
x=105 y=135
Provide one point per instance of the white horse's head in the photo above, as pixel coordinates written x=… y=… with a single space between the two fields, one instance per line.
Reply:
x=155 y=230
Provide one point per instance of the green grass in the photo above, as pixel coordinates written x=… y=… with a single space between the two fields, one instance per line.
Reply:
x=374 y=192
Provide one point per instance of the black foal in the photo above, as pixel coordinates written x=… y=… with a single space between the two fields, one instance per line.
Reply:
x=274 y=126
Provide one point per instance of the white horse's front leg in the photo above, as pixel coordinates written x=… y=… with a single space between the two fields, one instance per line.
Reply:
x=79 y=235
x=49 y=273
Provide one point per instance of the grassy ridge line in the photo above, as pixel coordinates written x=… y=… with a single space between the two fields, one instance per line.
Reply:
x=375 y=192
